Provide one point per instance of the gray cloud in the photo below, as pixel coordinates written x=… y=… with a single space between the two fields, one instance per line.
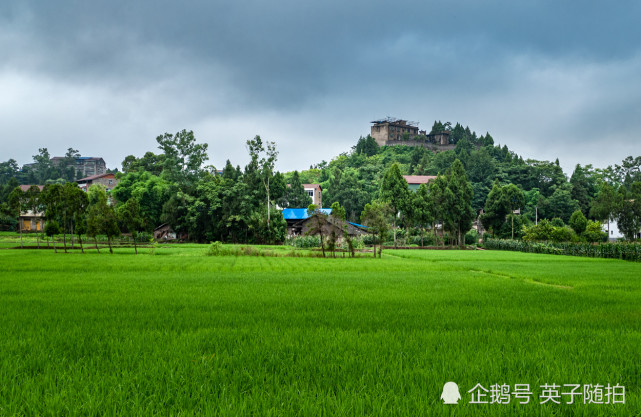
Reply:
x=546 y=78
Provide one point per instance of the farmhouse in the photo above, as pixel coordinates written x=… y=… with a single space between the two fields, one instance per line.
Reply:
x=109 y=181
x=30 y=221
x=315 y=192
x=293 y=216
x=299 y=223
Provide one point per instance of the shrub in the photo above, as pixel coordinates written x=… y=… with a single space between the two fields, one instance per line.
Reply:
x=471 y=237
x=578 y=222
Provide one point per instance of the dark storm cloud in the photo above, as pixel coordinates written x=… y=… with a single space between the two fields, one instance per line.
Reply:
x=229 y=66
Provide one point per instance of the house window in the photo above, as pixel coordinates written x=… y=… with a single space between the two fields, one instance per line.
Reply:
x=111 y=182
x=310 y=193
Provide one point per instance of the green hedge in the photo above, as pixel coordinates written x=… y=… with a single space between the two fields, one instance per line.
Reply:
x=625 y=251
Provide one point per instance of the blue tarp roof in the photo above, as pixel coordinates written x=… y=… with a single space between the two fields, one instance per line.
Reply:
x=300 y=213
x=358 y=225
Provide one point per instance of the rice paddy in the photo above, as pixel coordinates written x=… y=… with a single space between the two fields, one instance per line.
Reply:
x=181 y=333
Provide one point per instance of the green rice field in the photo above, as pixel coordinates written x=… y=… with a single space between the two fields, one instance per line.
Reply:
x=179 y=333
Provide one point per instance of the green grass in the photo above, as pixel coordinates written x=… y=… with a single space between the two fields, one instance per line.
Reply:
x=181 y=333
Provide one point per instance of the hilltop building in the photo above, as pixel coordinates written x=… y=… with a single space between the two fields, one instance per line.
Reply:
x=392 y=131
x=85 y=166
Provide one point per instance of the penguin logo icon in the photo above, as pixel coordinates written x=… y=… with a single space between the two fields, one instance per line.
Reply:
x=450 y=393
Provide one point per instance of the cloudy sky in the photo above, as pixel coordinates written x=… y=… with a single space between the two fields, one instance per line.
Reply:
x=548 y=78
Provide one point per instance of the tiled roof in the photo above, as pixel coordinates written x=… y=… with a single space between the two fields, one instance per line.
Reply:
x=26 y=187
x=94 y=177
x=418 y=179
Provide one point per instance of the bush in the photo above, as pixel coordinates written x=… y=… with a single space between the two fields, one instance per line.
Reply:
x=594 y=232
x=471 y=237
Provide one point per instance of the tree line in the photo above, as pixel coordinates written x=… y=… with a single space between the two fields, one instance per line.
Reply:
x=174 y=186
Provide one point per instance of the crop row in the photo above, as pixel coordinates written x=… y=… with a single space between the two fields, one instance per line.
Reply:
x=625 y=251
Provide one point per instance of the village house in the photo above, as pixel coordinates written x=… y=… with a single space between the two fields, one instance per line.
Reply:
x=109 y=181
x=30 y=221
x=299 y=223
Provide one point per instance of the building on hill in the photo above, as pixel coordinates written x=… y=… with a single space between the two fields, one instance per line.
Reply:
x=391 y=131
x=109 y=181
x=85 y=166
x=415 y=181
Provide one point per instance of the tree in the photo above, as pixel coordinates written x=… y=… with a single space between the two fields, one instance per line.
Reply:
x=594 y=232
x=16 y=204
x=366 y=146
x=578 y=222
x=129 y=216
x=423 y=210
x=395 y=192
x=337 y=219
x=629 y=213
x=295 y=195
x=52 y=199
x=76 y=201
x=606 y=204
x=263 y=158
x=183 y=156
x=338 y=214
x=514 y=200
x=43 y=167
x=583 y=184
x=318 y=220
x=460 y=207
x=69 y=165
x=51 y=229
x=101 y=216
x=375 y=215
x=441 y=198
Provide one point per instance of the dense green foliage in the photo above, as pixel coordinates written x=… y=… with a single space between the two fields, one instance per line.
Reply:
x=203 y=204
x=180 y=333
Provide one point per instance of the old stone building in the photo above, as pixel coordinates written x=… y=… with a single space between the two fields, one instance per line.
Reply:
x=85 y=166
x=391 y=131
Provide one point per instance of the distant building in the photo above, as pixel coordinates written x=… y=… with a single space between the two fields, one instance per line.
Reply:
x=85 y=166
x=415 y=181
x=109 y=181
x=316 y=193
x=391 y=131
